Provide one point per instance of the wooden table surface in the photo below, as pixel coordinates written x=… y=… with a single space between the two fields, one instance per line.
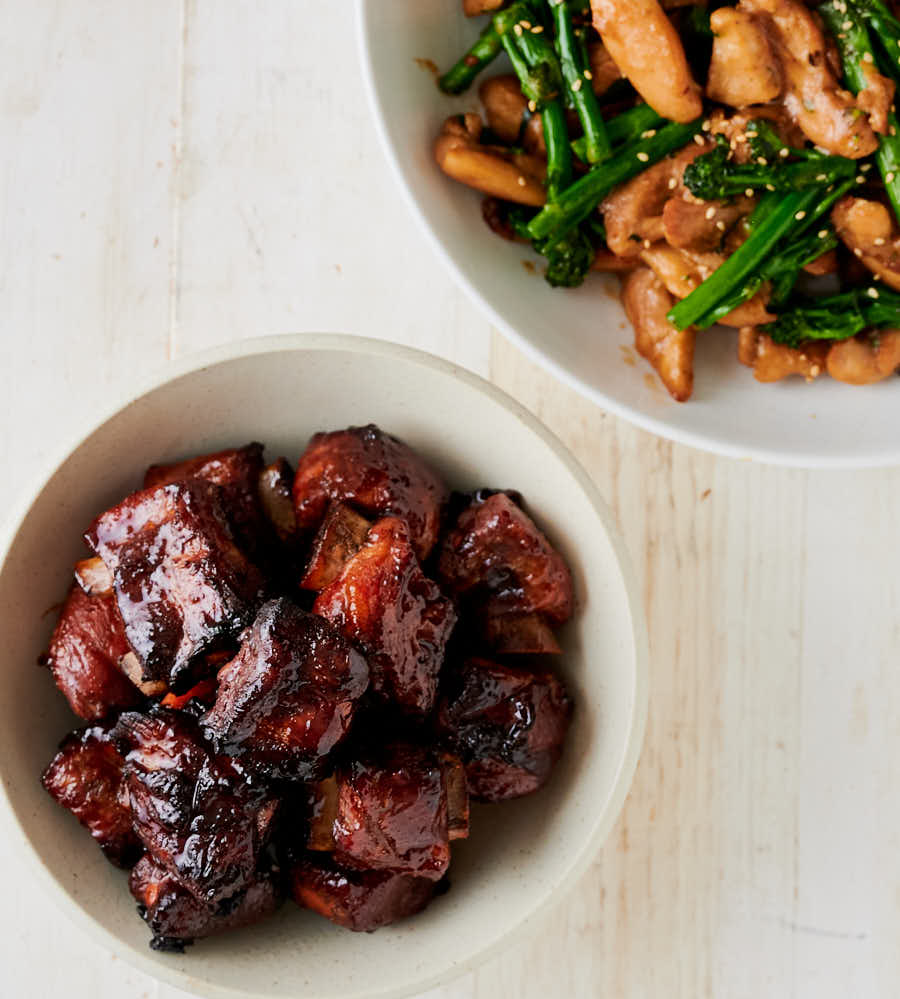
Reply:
x=180 y=173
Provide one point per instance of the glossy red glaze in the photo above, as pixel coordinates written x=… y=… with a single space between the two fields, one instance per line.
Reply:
x=507 y=725
x=85 y=777
x=375 y=473
x=357 y=900
x=87 y=644
x=392 y=813
x=181 y=583
x=496 y=550
x=386 y=605
x=287 y=698
x=177 y=918
x=198 y=815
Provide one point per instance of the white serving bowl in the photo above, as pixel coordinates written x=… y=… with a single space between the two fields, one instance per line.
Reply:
x=579 y=335
x=522 y=855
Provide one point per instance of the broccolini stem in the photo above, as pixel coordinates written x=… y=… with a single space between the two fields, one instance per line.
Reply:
x=577 y=202
x=559 y=153
x=461 y=75
x=855 y=45
x=745 y=262
x=572 y=62
x=629 y=126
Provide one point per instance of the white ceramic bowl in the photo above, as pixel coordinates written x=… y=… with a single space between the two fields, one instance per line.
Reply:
x=579 y=334
x=279 y=390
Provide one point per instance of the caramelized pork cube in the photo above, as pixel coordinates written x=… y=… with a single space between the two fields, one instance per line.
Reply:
x=176 y=918
x=85 y=777
x=389 y=608
x=87 y=645
x=495 y=550
x=376 y=474
x=237 y=472
x=340 y=536
x=197 y=815
x=519 y=634
x=357 y=900
x=275 y=494
x=391 y=813
x=182 y=585
x=507 y=725
x=288 y=697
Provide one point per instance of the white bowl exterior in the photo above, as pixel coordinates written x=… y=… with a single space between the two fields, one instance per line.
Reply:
x=522 y=854
x=580 y=334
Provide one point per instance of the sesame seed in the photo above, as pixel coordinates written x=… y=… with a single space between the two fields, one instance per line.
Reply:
x=822 y=176
x=707 y=125
x=770 y=187
x=860 y=179
x=517 y=28
x=868 y=57
x=525 y=24
x=749 y=192
x=673 y=183
x=762 y=161
x=784 y=153
x=879 y=241
x=872 y=292
x=532 y=106
x=865 y=168
x=740 y=138
x=857 y=252
x=576 y=85
x=643 y=157
x=799 y=216
x=720 y=225
x=823 y=234
x=699 y=140
x=815 y=371
x=521 y=181
x=648 y=134
x=537 y=29
x=711 y=212
x=888 y=177
x=646 y=244
x=588 y=75
x=847 y=25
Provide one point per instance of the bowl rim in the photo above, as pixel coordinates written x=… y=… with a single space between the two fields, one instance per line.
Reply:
x=662 y=428
x=15 y=832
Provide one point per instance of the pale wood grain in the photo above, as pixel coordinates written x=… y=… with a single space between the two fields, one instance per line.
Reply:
x=179 y=174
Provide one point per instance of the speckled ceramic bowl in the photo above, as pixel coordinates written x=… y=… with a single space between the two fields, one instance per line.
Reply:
x=522 y=855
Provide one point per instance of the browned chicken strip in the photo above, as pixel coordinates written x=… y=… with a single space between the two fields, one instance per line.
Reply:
x=743 y=69
x=647 y=49
x=865 y=359
x=867 y=228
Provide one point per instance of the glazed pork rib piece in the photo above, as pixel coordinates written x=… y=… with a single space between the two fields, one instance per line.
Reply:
x=507 y=725
x=182 y=585
x=386 y=606
x=197 y=814
x=391 y=811
x=86 y=648
x=288 y=697
x=85 y=777
x=357 y=900
x=177 y=918
x=376 y=474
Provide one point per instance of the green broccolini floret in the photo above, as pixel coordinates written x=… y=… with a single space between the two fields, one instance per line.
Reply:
x=836 y=317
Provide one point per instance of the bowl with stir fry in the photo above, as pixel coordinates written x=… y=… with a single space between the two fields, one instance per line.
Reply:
x=675 y=207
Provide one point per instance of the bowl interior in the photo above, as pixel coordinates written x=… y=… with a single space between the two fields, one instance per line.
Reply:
x=582 y=335
x=520 y=853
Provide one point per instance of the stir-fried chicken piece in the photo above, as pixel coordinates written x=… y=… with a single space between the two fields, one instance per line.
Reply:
x=508 y=117
x=288 y=697
x=868 y=229
x=744 y=70
x=472 y=8
x=827 y=114
x=87 y=644
x=196 y=814
x=647 y=49
x=701 y=226
x=181 y=583
x=375 y=473
x=774 y=361
x=863 y=360
x=495 y=551
x=358 y=900
x=389 y=608
x=340 y=536
x=85 y=777
x=507 y=725
x=176 y=918
x=237 y=472
x=633 y=212
x=501 y=172
x=391 y=813
x=876 y=98
x=668 y=349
